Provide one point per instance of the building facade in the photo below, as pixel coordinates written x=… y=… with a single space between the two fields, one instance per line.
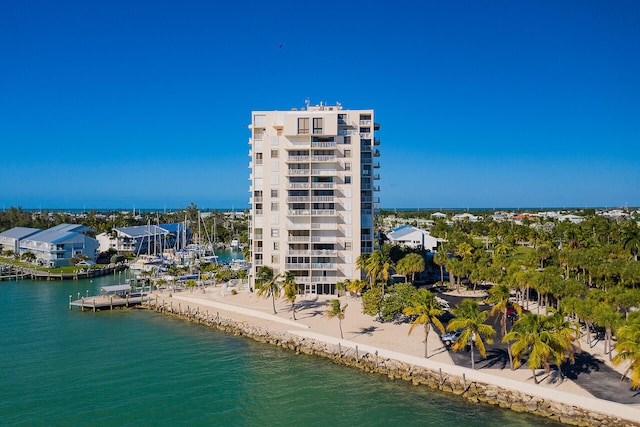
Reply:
x=313 y=178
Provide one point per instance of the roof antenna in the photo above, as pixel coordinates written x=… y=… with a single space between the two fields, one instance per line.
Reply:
x=307 y=102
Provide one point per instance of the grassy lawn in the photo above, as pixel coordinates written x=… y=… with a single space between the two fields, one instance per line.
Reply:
x=66 y=269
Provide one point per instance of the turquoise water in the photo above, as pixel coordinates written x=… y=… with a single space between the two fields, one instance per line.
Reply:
x=134 y=367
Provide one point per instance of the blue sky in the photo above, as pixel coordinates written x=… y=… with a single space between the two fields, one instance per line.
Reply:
x=481 y=104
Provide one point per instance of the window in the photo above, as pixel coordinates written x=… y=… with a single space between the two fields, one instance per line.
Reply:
x=274 y=193
x=274 y=154
x=258 y=158
x=303 y=126
x=274 y=232
x=317 y=126
x=347 y=153
x=275 y=259
x=274 y=206
x=347 y=179
x=348 y=246
x=347 y=139
x=276 y=246
x=347 y=166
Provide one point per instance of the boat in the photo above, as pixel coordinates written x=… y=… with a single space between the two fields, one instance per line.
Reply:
x=235 y=244
x=239 y=264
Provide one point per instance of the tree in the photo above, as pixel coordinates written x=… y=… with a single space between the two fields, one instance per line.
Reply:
x=336 y=310
x=29 y=256
x=440 y=259
x=411 y=264
x=545 y=338
x=631 y=239
x=290 y=291
x=499 y=296
x=607 y=317
x=426 y=309
x=191 y=284
x=471 y=320
x=396 y=300
x=629 y=349
x=268 y=285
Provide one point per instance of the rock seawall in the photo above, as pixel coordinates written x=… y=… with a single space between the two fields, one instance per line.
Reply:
x=473 y=391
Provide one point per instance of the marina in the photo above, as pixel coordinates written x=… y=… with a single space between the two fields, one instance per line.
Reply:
x=115 y=296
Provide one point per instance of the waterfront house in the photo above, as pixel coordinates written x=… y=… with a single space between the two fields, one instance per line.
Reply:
x=10 y=239
x=57 y=246
x=145 y=239
x=412 y=237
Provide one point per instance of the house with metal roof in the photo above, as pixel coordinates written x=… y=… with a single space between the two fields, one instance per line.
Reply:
x=57 y=246
x=413 y=237
x=10 y=239
x=145 y=239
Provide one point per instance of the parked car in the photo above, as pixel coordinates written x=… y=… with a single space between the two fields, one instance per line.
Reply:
x=446 y=316
x=450 y=337
x=512 y=314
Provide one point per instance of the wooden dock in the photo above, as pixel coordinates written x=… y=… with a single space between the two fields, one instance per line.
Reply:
x=108 y=302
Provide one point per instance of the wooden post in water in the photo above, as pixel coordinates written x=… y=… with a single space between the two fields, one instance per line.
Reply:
x=82 y=303
x=87 y=293
x=111 y=302
x=357 y=358
x=78 y=295
x=339 y=350
x=94 y=305
x=70 y=298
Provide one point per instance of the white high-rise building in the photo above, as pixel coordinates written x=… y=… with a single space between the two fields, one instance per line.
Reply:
x=313 y=178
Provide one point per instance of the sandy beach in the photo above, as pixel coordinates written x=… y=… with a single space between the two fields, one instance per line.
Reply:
x=362 y=330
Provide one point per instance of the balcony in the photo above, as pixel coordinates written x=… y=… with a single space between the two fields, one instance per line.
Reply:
x=329 y=199
x=323 y=226
x=258 y=250
x=366 y=212
x=323 y=172
x=376 y=126
x=297 y=212
x=376 y=141
x=365 y=122
x=297 y=185
x=302 y=279
x=298 y=172
x=376 y=165
x=376 y=176
x=293 y=199
x=293 y=159
x=323 y=158
x=326 y=279
x=302 y=252
x=323 y=144
x=304 y=239
x=297 y=266
x=323 y=212
x=376 y=188
x=257 y=237
x=365 y=135
x=366 y=160
x=298 y=226
x=323 y=265
x=376 y=153
x=324 y=239
x=322 y=185
x=257 y=199
x=257 y=211
x=324 y=252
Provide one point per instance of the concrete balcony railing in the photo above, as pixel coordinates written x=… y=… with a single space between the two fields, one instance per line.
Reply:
x=294 y=199
x=324 y=239
x=299 y=238
x=323 y=144
x=326 y=279
x=329 y=199
x=299 y=252
x=323 y=266
x=293 y=159
x=323 y=212
x=296 y=185
x=324 y=252
x=324 y=172
x=298 y=172
x=322 y=226
x=298 y=212
x=297 y=266
x=323 y=158
x=322 y=185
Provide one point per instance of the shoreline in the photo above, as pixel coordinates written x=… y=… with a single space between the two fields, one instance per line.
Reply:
x=377 y=349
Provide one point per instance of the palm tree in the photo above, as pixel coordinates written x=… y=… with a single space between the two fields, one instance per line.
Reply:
x=545 y=338
x=608 y=318
x=631 y=239
x=499 y=296
x=268 y=285
x=411 y=264
x=440 y=258
x=471 y=320
x=427 y=309
x=343 y=286
x=629 y=349
x=356 y=286
x=290 y=291
x=336 y=310
x=361 y=263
